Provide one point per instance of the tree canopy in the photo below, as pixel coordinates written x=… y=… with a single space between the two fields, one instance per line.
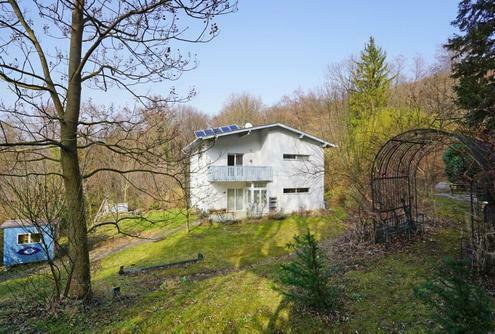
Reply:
x=474 y=62
x=370 y=80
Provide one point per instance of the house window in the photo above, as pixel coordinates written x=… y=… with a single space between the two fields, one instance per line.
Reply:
x=28 y=238
x=295 y=190
x=23 y=238
x=234 y=159
x=235 y=199
x=300 y=157
x=35 y=237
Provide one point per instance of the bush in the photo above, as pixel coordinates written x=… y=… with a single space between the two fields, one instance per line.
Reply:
x=306 y=278
x=459 y=165
x=459 y=306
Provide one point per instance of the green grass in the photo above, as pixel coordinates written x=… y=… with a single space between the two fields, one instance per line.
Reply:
x=242 y=298
x=223 y=246
x=233 y=248
x=381 y=293
x=153 y=221
x=378 y=299
x=452 y=210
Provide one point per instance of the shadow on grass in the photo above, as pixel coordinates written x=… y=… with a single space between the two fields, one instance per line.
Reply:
x=240 y=298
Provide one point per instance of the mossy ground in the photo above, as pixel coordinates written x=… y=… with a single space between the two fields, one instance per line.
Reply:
x=239 y=294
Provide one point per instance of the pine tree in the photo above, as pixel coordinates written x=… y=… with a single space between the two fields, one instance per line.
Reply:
x=459 y=306
x=474 y=62
x=305 y=279
x=370 y=81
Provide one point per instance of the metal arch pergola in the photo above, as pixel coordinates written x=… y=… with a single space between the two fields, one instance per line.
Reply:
x=393 y=180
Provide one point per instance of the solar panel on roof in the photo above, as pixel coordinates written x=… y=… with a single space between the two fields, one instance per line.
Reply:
x=199 y=133
x=216 y=131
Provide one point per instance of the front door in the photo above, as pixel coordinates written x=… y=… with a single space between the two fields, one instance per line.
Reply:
x=235 y=199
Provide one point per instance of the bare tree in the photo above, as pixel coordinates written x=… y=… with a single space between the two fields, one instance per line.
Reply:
x=240 y=109
x=36 y=202
x=50 y=50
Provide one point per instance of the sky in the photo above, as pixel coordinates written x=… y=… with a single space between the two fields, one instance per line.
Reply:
x=271 y=48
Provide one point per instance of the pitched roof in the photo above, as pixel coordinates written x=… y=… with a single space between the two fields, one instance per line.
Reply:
x=301 y=134
x=23 y=223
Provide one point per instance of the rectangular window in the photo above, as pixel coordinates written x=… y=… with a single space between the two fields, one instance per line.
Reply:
x=231 y=199
x=235 y=199
x=28 y=238
x=239 y=199
x=295 y=190
x=23 y=238
x=234 y=159
x=300 y=157
x=35 y=237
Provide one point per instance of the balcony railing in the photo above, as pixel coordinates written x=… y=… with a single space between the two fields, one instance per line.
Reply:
x=239 y=173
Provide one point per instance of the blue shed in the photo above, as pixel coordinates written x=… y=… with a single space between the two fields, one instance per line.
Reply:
x=25 y=242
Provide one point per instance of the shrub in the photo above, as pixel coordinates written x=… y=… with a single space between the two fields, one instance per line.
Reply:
x=305 y=280
x=459 y=306
x=459 y=165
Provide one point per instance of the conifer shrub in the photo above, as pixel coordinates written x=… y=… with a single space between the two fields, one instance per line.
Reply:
x=305 y=280
x=458 y=305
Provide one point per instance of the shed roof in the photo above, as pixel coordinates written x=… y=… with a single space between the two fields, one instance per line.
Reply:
x=301 y=134
x=23 y=223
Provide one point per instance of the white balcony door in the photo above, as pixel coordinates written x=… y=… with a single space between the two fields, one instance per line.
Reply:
x=233 y=160
x=235 y=199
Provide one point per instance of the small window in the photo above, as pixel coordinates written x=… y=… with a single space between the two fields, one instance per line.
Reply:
x=23 y=238
x=28 y=238
x=234 y=159
x=300 y=157
x=295 y=190
x=35 y=238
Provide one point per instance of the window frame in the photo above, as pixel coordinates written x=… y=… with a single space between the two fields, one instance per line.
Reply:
x=237 y=157
x=30 y=242
x=301 y=190
x=295 y=157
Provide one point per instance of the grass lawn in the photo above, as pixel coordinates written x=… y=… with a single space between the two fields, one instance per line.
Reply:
x=239 y=295
x=234 y=249
x=153 y=221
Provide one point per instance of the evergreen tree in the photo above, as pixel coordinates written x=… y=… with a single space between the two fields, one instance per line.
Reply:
x=458 y=305
x=474 y=62
x=459 y=165
x=306 y=277
x=370 y=82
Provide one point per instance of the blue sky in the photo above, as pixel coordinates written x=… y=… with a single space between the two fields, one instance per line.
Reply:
x=271 y=48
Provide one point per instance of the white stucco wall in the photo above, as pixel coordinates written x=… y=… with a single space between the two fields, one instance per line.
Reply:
x=262 y=148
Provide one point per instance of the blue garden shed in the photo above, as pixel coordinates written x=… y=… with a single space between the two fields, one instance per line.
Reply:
x=26 y=242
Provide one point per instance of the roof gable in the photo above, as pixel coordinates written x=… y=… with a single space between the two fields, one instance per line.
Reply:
x=300 y=133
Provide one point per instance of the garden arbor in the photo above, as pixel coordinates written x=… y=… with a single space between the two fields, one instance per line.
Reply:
x=397 y=208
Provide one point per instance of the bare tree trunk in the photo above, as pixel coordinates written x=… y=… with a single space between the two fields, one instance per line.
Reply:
x=80 y=283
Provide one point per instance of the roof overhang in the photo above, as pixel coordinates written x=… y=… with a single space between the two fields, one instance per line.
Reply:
x=246 y=131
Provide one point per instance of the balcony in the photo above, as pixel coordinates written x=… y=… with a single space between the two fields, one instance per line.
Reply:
x=239 y=173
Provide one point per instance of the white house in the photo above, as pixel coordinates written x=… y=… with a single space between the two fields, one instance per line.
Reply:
x=256 y=170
